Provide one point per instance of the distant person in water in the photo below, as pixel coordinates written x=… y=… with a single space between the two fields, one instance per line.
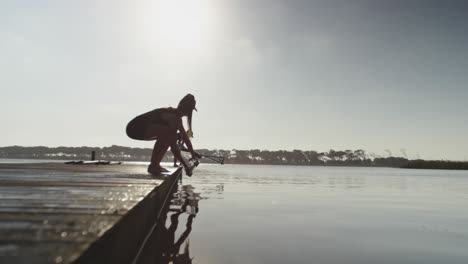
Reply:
x=163 y=125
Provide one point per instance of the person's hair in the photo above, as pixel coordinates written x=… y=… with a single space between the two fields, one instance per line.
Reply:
x=186 y=107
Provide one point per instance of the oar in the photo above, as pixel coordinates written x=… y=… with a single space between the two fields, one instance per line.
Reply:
x=218 y=159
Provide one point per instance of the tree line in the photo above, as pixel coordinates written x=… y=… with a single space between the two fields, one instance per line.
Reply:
x=255 y=156
x=280 y=157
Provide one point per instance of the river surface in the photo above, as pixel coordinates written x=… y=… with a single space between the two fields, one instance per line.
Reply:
x=292 y=214
x=288 y=214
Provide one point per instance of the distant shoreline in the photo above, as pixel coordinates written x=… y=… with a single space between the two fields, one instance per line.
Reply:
x=411 y=164
x=333 y=158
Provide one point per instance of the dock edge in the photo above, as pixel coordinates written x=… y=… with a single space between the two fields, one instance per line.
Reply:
x=123 y=242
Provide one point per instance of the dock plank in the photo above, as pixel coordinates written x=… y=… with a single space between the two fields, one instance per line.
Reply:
x=56 y=213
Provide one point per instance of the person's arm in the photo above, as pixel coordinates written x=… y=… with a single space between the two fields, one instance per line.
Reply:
x=186 y=139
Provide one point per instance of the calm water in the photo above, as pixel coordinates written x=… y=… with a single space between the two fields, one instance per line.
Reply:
x=288 y=214
x=285 y=214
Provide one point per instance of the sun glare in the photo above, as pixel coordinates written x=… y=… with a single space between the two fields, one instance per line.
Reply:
x=179 y=25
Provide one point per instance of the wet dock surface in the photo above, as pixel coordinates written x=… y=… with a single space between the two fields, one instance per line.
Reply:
x=56 y=213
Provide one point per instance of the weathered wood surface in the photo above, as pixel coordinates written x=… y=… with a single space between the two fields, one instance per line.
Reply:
x=56 y=213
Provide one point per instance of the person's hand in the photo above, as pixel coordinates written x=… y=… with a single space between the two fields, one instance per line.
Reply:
x=189 y=133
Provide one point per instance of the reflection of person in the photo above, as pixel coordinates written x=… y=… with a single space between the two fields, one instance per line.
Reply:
x=191 y=200
x=162 y=125
x=170 y=249
x=167 y=248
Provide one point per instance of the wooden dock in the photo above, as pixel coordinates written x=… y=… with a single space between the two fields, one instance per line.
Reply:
x=57 y=213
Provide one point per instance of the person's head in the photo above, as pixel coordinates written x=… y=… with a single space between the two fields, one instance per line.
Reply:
x=185 y=108
x=187 y=105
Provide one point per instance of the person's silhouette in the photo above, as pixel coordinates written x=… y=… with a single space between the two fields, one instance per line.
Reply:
x=162 y=125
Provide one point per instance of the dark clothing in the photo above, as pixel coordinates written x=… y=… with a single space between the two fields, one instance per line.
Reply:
x=137 y=128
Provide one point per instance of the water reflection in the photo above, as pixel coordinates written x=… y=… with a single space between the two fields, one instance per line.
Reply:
x=170 y=243
x=185 y=200
x=278 y=214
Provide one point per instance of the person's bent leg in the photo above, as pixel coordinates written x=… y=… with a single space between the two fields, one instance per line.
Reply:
x=163 y=135
x=160 y=148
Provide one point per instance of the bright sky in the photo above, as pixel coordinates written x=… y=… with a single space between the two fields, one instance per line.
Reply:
x=309 y=75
